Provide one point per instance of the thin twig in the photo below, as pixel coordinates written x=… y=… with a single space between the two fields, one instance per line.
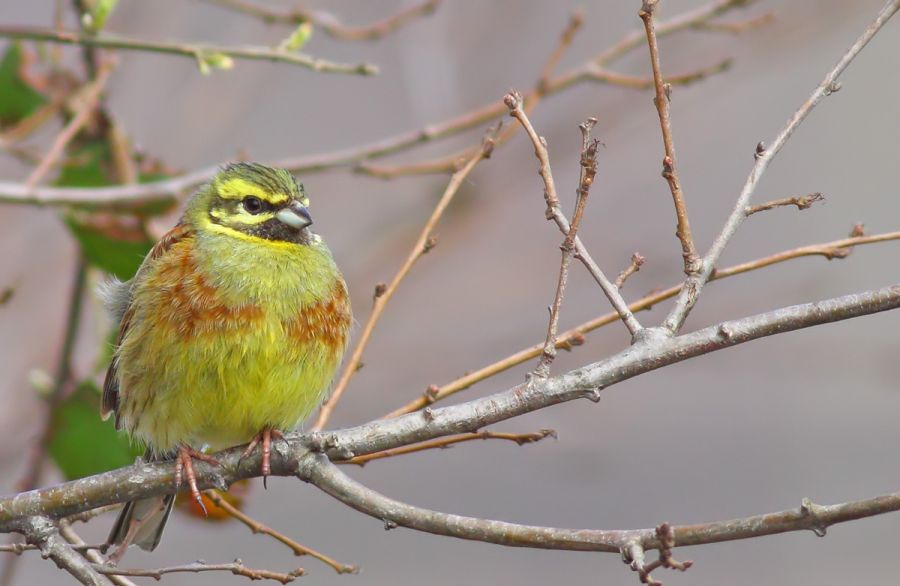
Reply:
x=213 y=55
x=694 y=283
x=801 y=201
x=86 y=105
x=452 y=162
x=633 y=555
x=259 y=528
x=169 y=190
x=575 y=336
x=38 y=451
x=738 y=26
x=513 y=101
x=236 y=567
x=588 y=164
x=418 y=249
x=637 y=261
x=444 y=442
x=73 y=317
x=670 y=172
x=328 y=23
x=92 y=553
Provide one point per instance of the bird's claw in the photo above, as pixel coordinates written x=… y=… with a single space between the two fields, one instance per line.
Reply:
x=263 y=438
x=184 y=467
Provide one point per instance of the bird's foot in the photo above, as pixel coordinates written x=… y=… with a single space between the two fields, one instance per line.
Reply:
x=264 y=438
x=184 y=468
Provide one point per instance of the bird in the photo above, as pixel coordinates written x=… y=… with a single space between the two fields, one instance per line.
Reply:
x=230 y=332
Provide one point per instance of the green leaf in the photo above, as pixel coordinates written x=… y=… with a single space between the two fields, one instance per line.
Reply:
x=206 y=61
x=97 y=12
x=299 y=37
x=82 y=444
x=17 y=98
x=116 y=256
x=89 y=169
x=108 y=242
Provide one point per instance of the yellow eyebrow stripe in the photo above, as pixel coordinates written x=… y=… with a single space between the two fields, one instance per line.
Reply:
x=237 y=188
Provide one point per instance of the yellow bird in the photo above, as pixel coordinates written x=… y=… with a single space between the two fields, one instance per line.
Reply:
x=230 y=331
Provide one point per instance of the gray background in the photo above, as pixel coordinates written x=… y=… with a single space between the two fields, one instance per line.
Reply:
x=745 y=431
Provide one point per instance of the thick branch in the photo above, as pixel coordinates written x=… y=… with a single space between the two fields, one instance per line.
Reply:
x=575 y=336
x=318 y=470
x=653 y=350
x=694 y=283
x=42 y=532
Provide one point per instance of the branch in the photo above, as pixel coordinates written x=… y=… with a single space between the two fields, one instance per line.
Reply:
x=92 y=553
x=670 y=173
x=513 y=101
x=652 y=351
x=236 y=567
x=328 y=22
x=258 y=528
x=422 y=245
x=63 y=368
x=451 y=163
x=214 y=56
x=315 y=468
x=169 y=190
x=444 y=442
x=801 y=201
x=42 y=532
x=85 y=107
x=637 y=261
x=586 y=179
x=575 y=336
x=694 y=283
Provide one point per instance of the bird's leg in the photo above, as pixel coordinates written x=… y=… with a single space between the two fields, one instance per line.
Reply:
x=184 y=467
x=265 y=438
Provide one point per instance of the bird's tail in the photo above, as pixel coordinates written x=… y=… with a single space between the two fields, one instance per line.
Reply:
x=141 y=522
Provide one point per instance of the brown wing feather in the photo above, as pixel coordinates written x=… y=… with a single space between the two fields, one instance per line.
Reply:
x=110 y=401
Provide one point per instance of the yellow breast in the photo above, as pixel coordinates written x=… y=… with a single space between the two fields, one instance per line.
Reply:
x=230 y=337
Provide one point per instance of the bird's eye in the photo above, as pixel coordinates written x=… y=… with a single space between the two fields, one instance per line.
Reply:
x=253 y=205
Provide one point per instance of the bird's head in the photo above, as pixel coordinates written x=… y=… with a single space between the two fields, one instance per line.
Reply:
x=251 y=201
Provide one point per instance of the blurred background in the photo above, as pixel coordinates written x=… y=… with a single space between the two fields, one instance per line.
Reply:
x=740 y=432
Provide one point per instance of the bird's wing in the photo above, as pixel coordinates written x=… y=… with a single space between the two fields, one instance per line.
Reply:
x=119 y=301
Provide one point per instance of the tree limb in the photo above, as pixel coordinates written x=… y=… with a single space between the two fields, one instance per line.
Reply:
x=653 y=350
x=693 y=285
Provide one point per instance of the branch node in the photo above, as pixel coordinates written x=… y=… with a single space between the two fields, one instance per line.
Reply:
x=760 y=150
x=380 y=289
x=725 y=332
x=567 y=344
x=812 y=510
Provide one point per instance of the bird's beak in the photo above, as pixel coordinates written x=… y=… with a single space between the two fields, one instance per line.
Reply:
x=295 y=215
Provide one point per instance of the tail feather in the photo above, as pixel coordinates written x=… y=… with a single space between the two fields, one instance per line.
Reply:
x=141 y=522
x=149 y=518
